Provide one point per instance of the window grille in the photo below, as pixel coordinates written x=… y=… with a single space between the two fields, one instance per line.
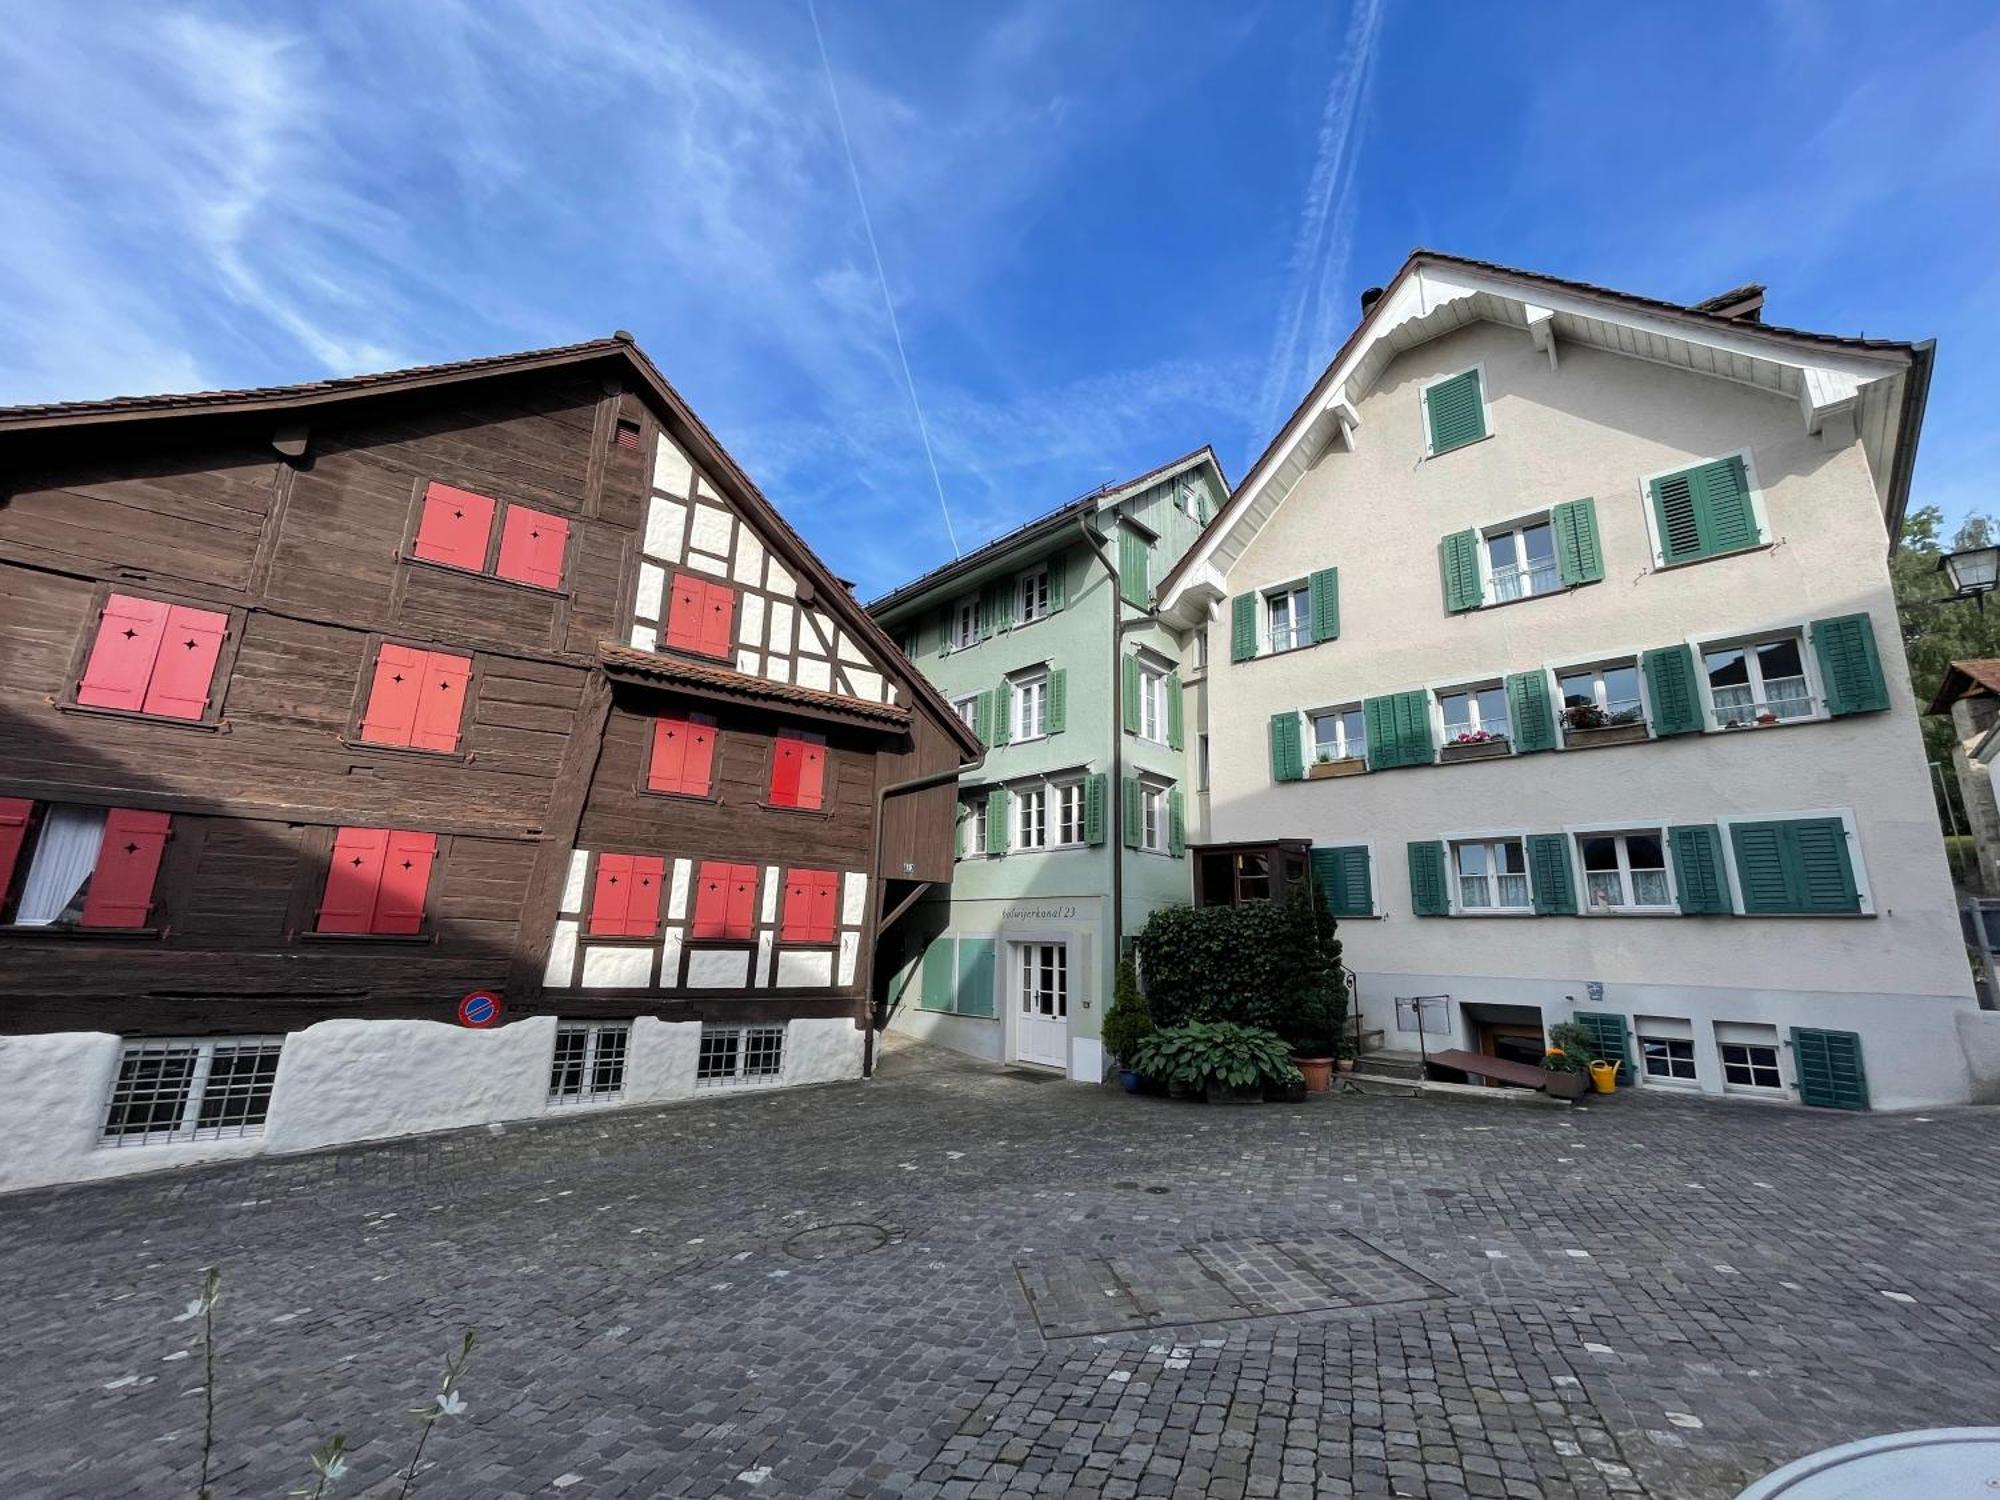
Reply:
x=589 y=1061
x=732 y=1056
x=191 y=1090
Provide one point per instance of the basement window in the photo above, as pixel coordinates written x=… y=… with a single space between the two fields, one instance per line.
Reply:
x=191 y=1090
x=589 y=1066
x=735 y=1056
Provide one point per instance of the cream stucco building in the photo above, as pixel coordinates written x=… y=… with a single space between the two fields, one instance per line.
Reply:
x=1559 y=622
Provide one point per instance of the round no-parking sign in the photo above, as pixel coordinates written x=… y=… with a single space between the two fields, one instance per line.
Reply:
x=479 y=1009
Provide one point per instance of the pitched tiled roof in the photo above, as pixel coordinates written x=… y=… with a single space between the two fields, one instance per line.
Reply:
x=1966 y=679
x=630 y=661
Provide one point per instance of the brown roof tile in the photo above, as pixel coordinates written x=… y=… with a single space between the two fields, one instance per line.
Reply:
x=631 y=661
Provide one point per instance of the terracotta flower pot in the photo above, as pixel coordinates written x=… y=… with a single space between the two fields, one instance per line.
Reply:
x=1567 y=1085
x=1318 y=1071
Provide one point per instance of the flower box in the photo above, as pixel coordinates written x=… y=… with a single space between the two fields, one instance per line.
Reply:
x=1351 y=765
x=1488 y=749
x=1603 y=734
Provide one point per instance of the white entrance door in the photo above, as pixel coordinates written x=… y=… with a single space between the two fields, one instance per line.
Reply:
x=1041 y=1007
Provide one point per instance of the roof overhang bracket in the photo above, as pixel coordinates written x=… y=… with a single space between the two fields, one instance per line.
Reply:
x=1830 y=401
x=1542 y=329
x=292 y=440
x=1346 y=419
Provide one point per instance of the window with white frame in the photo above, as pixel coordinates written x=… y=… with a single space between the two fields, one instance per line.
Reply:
x=1152 y=702
x=589 y=1063
x=1473 y=715
x=1029 y=702
x=1627 y=871
x=1750 y=1065
x=1153 y=817
x=1338 y=734
x=1667 y=1058
x=967 y=709
x=965 y=622
x=1492 y=875
x=1031 y=596
x=1757 y=682
x=1201 y=650
x=1597 y=697
x=191 y=1090
x=1069 y=811
x=1188 y=495
x=734 y=1055
x=1521 y=561
x=976 y=843
x=1288 y=617
x=1031 y=818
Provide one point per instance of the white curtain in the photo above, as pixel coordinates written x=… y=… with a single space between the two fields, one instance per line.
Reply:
x=65 y=854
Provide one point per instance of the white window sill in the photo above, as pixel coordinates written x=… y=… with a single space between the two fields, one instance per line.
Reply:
x=1431 y=453
x=1496 y=911
x=1025 y=739
x=1817 y=716
x=1684 y=1085
x=1630 y=911
x=1661 y=565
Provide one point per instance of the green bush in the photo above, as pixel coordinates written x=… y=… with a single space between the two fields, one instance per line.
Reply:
x=1205 y=1052
x=1571 y=1048
x=1127 y=1023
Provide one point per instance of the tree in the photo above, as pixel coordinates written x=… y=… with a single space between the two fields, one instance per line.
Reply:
x=1936 y=633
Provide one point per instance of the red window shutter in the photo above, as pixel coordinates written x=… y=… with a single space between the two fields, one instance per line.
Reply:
x=128 y=861
x=611 y=896
x=129 y=631
x=684 y=613
x=787 y=761
x=699 y=772
x=796 y=926
x=711 y=900
x=353 y=876
x=391 y=715
x=454 y=528
x=406 y=880
x=185 y=669
x=14 y=815
x=666 y=769
x=812 y=774
x=440 y=701
x=742 y=901
x=825 y=894
x=532 y=543
x=642 y=897
x=718 y=620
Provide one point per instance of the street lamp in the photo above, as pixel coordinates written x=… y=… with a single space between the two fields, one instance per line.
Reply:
x=1974 y=573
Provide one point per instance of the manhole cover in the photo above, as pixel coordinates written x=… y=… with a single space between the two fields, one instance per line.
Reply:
x=840 y=1241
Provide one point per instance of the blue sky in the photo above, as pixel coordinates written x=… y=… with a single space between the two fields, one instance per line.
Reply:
x=1111 y=231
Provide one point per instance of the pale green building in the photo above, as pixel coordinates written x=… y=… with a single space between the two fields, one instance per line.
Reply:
x=1046 y=642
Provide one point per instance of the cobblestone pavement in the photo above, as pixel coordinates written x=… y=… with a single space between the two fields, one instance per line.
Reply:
x=828 y=1293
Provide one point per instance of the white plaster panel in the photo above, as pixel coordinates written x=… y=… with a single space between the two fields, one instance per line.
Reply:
x=671 y=470
x=770 y=908
x=781 y=626
x=617 y=967
x=849 y=651
x=778 y=669
x=779 y=581
x=1086 y=1060
x=748 y=661
x=865 y=684
x=750 y=620
x=804 y=966
x=816 y=633
x=572 y=896
x=718 y=969
x=660 y=1062
x=711 y=529
x=749 y=559
x=666 y=525
x=853 y=898
x=822 y=1049
x=645 y=637
x=850 y=952
x=559 y=973
x=814 y=673
x=764 y=958
x=670 y=960
x=54 y=1088
x=652 y=590
x=677 y=894
x=706 y=564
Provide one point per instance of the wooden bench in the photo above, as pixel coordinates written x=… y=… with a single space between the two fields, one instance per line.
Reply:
x=1525 y=1074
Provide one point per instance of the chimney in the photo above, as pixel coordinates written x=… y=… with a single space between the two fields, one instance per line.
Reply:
x=1369 y=297
x=1743 y=303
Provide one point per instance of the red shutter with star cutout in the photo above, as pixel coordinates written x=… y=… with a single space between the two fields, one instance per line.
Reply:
x=391 y=715
x=532 y=543
x=353 y=876
x=440 y=701
x=454 y=529
x=184 y=671
x=14 y=815
x=684 y=613
x=711 y=900
x=812 y=773
x=128 y=863
x=718 y=621
x=406 y=881
x=742 y=901
x=683 y=755
x=129 y=631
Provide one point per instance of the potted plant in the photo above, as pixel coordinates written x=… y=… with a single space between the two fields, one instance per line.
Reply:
x=1586 y=726
x=1226 y=1062
x=1475 y=744
x=1311 y=1028
x=1126 y=1024
x=1325 y=764
x=1567 y=1061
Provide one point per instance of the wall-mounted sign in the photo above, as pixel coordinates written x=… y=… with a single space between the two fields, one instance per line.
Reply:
x=479 y=1010
x=1594 y=989
x=1064 y=913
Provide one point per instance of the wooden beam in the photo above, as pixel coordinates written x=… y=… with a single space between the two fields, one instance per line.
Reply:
x=536 y=929
x=900 y=907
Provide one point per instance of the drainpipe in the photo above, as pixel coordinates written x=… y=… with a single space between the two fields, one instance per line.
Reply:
x=882 y=796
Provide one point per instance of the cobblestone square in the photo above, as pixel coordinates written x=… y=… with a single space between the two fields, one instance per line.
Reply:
x=828 y=1292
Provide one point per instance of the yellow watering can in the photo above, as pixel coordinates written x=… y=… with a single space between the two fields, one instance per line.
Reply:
x=1604 y=1076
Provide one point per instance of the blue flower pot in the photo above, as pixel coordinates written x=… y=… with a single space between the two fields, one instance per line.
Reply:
x=1131 y=1079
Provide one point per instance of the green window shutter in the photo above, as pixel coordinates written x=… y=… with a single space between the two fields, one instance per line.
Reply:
x=1849 y=665
x=1677 y=510
x=1323 y=593
x=1828 y=1065
x=996 y=821
x=1128 y=693
x=1133 y=555
x=1287 y=755
x=1796 y=866
x=1243 y=627
x=1670 y=686
x=1455 y=413
x=1704 y=511
x=1176 y=712
x=1176 y=824
x=1458 y=554
x=1608 y=1037
x=1378 y=717
x=1001 y=720
x=1093 y=808
x=982 y=718
x=1133 y=818
x=1700 y=878
x=944 y=633
x=1529 y=711
x=937 y=982
x=1058 y=582
x=1346 y=887
x=1413 y=727
x=1578 y=552
x=975 y=976
x=1551 y=876
x=1763 y=871
x=1427 y=887
x=1058 y=699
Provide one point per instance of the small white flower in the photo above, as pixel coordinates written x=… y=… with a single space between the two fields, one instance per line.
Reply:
x=450 y=1404
x=194 y=1310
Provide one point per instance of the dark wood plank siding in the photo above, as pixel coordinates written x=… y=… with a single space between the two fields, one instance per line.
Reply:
x=918 y=827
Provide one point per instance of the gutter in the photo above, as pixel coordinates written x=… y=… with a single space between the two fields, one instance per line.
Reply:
x=1916 y=396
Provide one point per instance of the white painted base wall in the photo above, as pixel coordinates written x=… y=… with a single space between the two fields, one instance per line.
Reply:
x=341 y=1082
x=1910 y=1044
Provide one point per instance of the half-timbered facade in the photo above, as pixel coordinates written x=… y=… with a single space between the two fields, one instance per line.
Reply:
x=325 y=709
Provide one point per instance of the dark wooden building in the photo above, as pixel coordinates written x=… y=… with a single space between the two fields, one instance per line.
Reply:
x=343 y=701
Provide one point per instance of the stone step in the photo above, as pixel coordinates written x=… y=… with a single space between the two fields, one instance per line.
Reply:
x=1390 y=1064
